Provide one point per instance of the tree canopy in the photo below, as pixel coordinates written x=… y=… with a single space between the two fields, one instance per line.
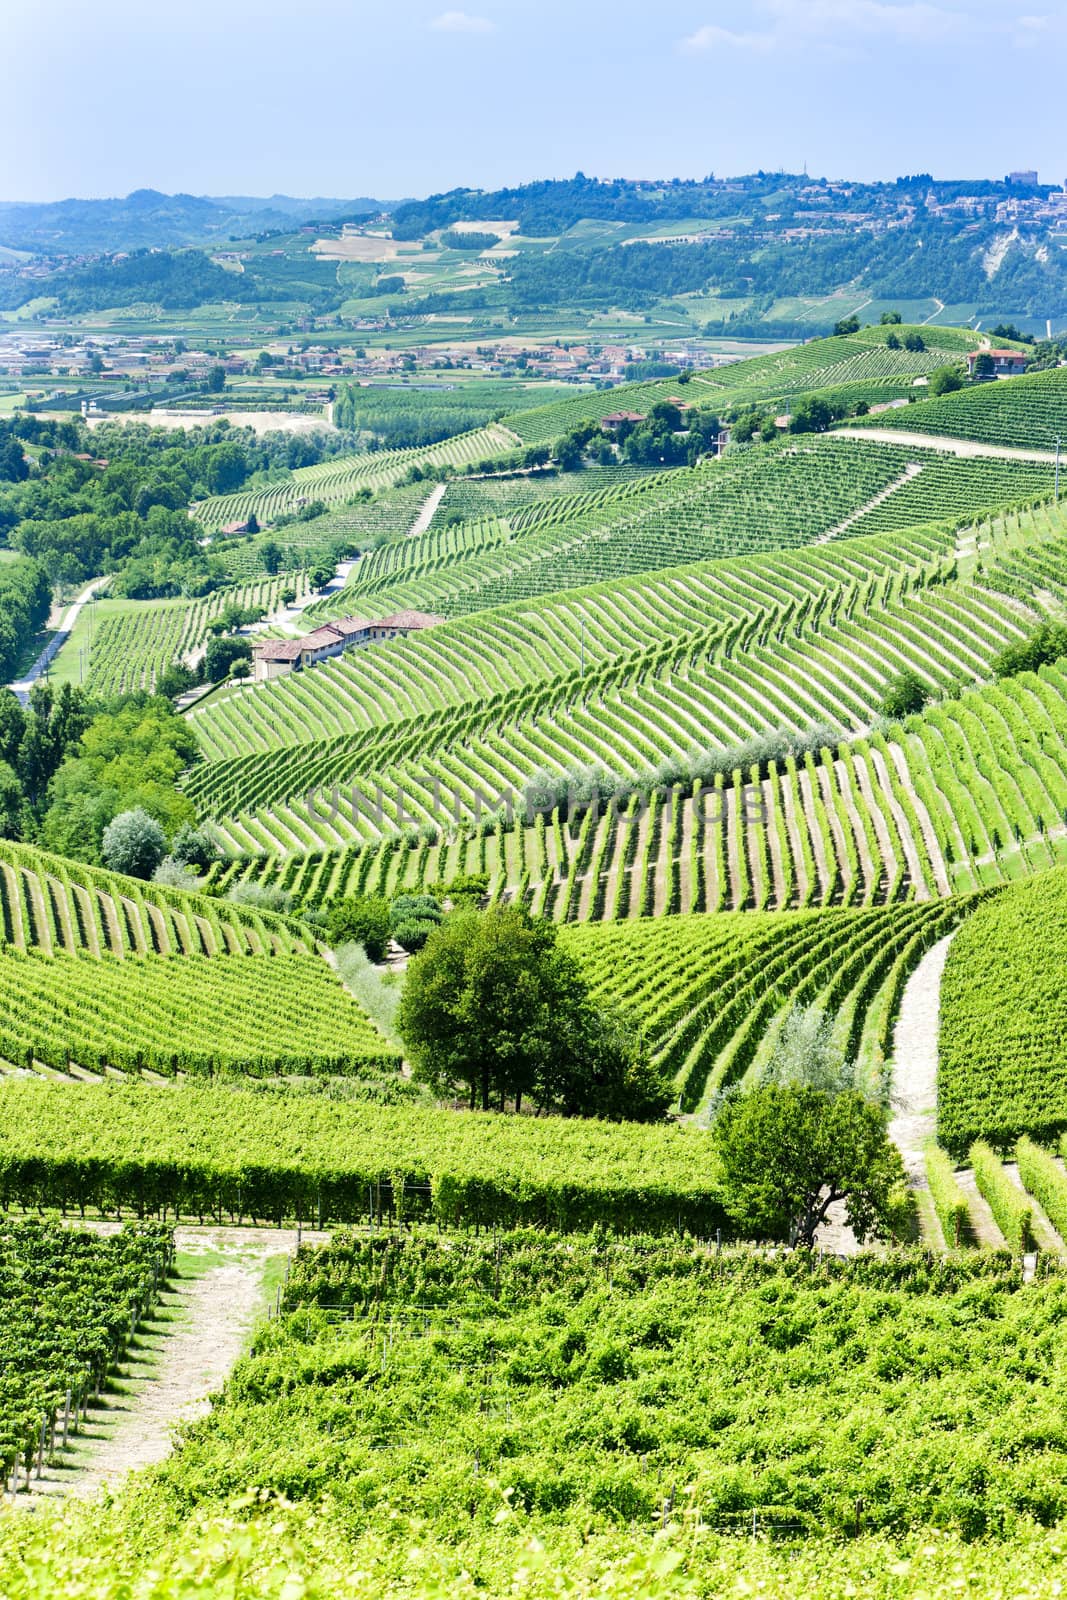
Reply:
x=495 y=1009
x=787 y=1153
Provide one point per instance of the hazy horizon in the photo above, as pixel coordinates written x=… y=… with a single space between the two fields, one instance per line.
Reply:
x=430 y=97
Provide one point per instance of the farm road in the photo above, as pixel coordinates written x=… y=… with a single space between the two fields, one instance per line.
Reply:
x=183 y=1351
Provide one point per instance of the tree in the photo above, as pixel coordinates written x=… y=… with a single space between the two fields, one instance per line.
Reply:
x=984 y=366
x=360 y=919
x=191 y=847
x=788 y=1153
x=270 y=556
x=133 y=843
x=221 y=654
x=904 y=696
x=914 y=341
x=890 y=319
x=944 y=380
x=216 y=380
x=1046 y=644
x=847 y=325
x=495 y=1008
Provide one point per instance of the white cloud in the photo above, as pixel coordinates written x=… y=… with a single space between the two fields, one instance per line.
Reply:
x=461 y=22
x=789 y=22
x=711 y=37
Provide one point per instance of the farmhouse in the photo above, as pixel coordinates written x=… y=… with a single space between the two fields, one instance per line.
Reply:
x=1006 y=363
x=275 y=657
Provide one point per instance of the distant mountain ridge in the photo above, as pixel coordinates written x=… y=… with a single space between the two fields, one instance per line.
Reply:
x=148 y=219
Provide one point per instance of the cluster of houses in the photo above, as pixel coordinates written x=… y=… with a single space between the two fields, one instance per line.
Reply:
x=276 y=657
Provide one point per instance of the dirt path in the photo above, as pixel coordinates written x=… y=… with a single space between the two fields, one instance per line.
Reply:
x=430 y=505
x=181 y=1355
x=912 y=470
x=913 y=1085
x=935 y=441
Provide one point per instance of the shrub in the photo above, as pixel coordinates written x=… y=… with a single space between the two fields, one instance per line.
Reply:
x=174 y=874
x=412 y=933
x=261 y=897
x=904 y=696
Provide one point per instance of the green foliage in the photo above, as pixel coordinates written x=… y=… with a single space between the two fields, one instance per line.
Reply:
x=462 y=239
x=361 y=919
x=69 y=1298
x=787 y=1153
x=223 y=654
x=270 y=1154
x=494 y=1007
x=1004 y=1018
x=904 y=696
x=1046 y=644
x=945 y=380
x=25 y=600
x=950 y=1201
x=1044 y=1179
x=125 y=760
x=1009 y=1206
x=133 y=843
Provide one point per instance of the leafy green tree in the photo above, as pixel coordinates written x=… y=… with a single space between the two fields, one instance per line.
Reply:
x=788 y=1153
x=125 y=760
x=945 y=380
x=984 y=366
x=847 y=325
x=1046 y=644
x=890 y=318
x=11 y=803
x=494 y=1008
x=904 y=696
x=216 y=380
x=133 y=843
x=192 y=847
x=360 y=919
x=221 y=654
x=270 y=556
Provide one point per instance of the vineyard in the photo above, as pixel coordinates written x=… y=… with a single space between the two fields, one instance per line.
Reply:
x=192 y=1015
x=336 y=480
x=72 y=1302
x=1003 y=1050
x=774 y=498
x=60 y=906
x=130 y=650
x=583 y=1382
x=1027 y=413
x=212 y=1152
x=856 y=359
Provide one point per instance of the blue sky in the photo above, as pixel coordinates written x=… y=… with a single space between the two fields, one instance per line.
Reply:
x=346 y=97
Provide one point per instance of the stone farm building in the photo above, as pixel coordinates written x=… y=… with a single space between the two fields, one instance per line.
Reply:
x=275 y=657
x=1006 y=363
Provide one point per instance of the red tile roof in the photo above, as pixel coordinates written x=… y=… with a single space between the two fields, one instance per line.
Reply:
x=408 y=620
x=279 y=649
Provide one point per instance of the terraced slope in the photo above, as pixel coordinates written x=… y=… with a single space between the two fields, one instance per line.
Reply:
x=860 y=358
x=714 y=992
x=52 y=904
x=775 y=498
x=336 y=480
x=105 y=971
x=131 y=649
x=1027 y=413
x=190 y=1014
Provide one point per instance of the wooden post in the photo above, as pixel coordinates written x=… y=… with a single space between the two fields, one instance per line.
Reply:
x=66 y=1419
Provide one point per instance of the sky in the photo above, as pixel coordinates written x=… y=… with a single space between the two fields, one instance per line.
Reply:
x=356 y=97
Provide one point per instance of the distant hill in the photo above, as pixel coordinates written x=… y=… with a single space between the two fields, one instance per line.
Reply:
x=148 y=219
